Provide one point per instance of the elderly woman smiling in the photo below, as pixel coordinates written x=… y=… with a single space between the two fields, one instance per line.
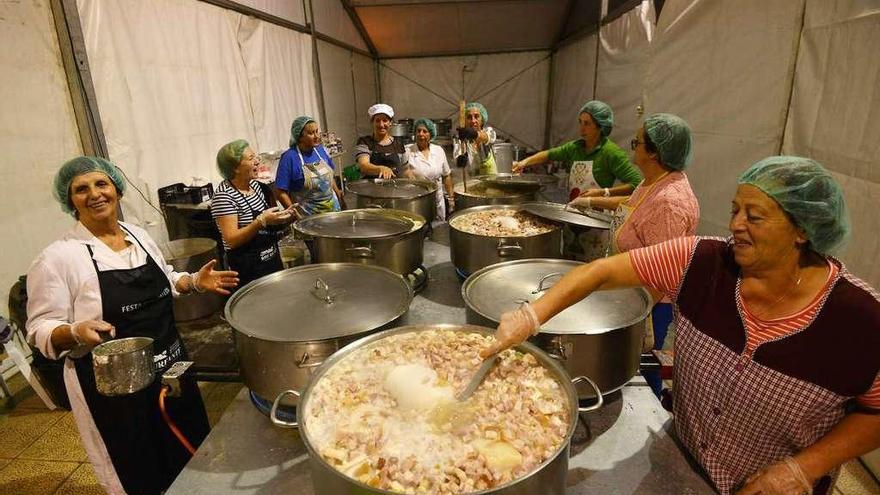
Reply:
x=776 y=362
x=428 y=161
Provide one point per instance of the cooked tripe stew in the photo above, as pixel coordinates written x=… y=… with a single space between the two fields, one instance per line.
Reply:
x=386 y=415
x=502 y=223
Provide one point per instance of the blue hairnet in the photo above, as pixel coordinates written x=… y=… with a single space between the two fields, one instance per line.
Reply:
x=229 y=157
x=83 y=165
x=429 y=124
x=808 y=193
x=601 y=113
x=672 y=137
x=483 y=113
x=296 y=129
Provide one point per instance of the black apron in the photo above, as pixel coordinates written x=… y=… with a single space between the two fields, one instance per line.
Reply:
x=260 y=256
x=145 y=453
x=390 y=160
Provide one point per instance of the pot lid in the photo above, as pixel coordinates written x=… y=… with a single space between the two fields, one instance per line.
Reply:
x=513 y=180
x=391 y=188
x=354 y=224
x=561 y=213
x=318 y=302
x=501 y=287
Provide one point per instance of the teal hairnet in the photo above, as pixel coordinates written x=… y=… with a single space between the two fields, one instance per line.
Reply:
x=296 y=129
x=83 y=165
x=229 y=157
x=808 y=193
x=672 y=137
x=429 y=124
x=483 y=113
x=601 y=113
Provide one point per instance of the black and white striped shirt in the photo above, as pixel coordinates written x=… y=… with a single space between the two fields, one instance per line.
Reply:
x=229 y=201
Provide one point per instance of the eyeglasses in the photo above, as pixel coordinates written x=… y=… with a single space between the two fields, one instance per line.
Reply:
x=635 y=144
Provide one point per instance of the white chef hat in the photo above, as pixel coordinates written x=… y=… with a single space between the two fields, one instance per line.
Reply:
x=381 y=108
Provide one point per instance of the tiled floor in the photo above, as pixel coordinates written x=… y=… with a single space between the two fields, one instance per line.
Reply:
x=40 y=453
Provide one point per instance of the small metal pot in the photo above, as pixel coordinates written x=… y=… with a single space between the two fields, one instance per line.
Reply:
x=188 y=255
x=471 y=252
x=413 y=195
x=548 y=478
x=599 y=336
x=123 y=366
x=337 y=239
x=287 y=323
x=481 y=194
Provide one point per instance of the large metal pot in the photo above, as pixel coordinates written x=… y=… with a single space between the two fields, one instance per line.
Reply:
x=505 y=155
x=599 y=336
x=289 y=322
x=414 y=195
x=390 y=238
x=471 y=252
x=548 y=478
x=500 y=189
x=123 y=366
x=188 y=255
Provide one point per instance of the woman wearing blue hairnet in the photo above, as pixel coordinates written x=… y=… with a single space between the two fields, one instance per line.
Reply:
x=776 y=362
x=305 y=171
x=473 y=147
x=106 y=278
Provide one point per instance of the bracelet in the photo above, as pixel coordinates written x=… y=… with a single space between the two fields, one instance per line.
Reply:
x=261 y=220
x=74 y=335
x=607 y=192
x=195 y=285
x=589 y=201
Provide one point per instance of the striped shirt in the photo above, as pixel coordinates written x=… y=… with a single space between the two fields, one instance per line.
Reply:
x=229 y=201
x=663 y=266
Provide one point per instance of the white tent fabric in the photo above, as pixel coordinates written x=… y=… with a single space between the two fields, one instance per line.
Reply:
x=39 y=134
x=513 y=87
x=835 y=109
x=339 y=95
x=285 y=9
x=623 y=59
x=573 y=76
x=331 y=19
x=176 y=79
x=726 y=68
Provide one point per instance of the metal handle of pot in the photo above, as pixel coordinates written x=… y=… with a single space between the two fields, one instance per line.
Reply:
x=505 y=250
x=304 y=362
x=361 y=252
x=541 y=287
x=599 y=399
x=322 y=291
x=273 y=413
x=558 y=351
x=374 y=205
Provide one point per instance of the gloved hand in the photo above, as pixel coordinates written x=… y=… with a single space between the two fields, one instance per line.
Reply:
x=461 y=161
x=275 y=216
x=518 y=167
x=467 y=133
x=515 y=327
x=91 y=332
x=450 y=201
x=783 y=478
x=582 y=202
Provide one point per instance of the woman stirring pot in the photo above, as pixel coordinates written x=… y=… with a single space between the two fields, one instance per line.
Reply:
x=108 y=277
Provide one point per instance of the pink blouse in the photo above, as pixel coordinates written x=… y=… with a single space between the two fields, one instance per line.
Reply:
x=669 y=210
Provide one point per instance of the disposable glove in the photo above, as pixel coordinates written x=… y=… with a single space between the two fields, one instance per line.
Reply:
x=515 y=327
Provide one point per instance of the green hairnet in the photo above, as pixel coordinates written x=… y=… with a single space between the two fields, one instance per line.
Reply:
x=601 y=113
x=229 y=157
x=296 y=129
x=672 y=138
x=428 y=124
x=83 y=165
x=483 y=113
x=808 y=193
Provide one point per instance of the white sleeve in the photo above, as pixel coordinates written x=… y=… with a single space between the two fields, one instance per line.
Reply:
x=444 y=163
x=49 y=305
x=491 y=134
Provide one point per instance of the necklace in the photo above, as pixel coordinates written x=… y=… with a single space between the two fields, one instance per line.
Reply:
x=783 y=296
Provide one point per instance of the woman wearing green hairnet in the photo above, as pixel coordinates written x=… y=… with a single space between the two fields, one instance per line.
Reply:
x=246 y=215
x=597 y=163
x=776 y=352
x=473 y=147
x=105 y=279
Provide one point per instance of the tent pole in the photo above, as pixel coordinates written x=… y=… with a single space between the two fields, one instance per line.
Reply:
x=550 y=93
x=316 y=64
x=797 y=49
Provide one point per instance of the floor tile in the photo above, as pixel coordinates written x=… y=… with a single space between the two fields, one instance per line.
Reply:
x=60 y=443
x=28 y=477
x=23 y=427
x=81 y=482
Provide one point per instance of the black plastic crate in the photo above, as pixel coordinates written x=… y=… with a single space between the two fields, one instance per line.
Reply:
x=180 y=193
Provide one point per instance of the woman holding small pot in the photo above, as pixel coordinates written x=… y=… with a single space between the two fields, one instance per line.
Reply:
x=108 y=278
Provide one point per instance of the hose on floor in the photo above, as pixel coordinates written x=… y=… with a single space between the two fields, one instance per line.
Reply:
x=171 y=425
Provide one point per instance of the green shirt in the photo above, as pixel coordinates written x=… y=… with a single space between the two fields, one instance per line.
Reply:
x=609 y=161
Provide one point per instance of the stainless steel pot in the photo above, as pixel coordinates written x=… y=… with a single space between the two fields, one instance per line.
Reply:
x=471 y=252
x=401 y=129
x=289 y=322
x=505 y=155
x=339 y=237
x=444 y=127
x=188 y=255
x=481 y=194
x=600 y=336
x=123 y=366
x=548 y=478
x=414 y=195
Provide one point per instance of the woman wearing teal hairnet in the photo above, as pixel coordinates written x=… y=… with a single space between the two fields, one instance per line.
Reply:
x=305 y=171
x=106 y=278
x=473 y=147
x=246 y=214
x=428 y=161
x=776 y=350
x=599 y=168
